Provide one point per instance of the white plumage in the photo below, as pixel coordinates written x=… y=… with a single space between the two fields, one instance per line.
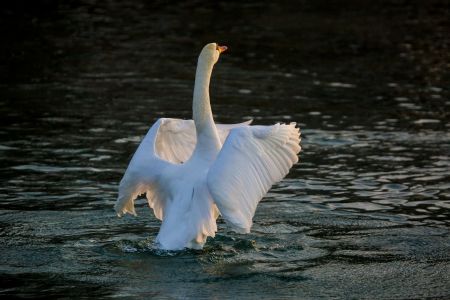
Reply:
x=194 y=170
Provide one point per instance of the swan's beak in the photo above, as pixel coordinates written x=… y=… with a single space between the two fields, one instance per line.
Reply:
x=221 y=48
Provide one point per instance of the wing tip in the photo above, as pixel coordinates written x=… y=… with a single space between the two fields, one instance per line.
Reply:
x=120 y=212
x=238 y=229
x=237 y=222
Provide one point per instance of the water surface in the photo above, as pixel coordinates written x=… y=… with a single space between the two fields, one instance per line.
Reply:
x=365 y=213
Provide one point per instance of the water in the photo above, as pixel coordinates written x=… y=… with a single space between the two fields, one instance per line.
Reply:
x=365 y=214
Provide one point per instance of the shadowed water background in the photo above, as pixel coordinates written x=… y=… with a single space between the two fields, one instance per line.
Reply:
x=365 y=214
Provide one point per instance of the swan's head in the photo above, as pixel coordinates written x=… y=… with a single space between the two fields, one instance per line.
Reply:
x=211 y=52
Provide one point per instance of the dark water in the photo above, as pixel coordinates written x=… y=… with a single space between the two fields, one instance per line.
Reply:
x=365 y=214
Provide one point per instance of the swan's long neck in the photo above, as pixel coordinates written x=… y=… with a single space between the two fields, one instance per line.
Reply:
x=201 y=107
x=208 y=143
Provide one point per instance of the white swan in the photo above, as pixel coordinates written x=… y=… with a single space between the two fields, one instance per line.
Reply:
x=194 y=170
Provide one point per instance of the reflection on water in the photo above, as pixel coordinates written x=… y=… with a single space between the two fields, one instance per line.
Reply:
x=365 y=212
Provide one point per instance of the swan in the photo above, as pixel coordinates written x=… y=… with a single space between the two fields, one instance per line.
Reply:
x=192 y=171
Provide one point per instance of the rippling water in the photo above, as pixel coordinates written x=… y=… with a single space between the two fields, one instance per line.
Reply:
x=365 y=214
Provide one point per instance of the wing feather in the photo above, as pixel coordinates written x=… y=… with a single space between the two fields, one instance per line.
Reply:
x=251 y=160
x=141 y=175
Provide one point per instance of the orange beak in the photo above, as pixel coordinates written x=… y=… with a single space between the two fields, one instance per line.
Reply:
x=221 y=48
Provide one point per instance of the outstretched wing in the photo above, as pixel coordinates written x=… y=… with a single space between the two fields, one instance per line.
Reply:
x=251 y=160
x=168 y=143
x=141 y=175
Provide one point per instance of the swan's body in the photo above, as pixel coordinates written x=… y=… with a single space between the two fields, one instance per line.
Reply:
x=194 y=170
